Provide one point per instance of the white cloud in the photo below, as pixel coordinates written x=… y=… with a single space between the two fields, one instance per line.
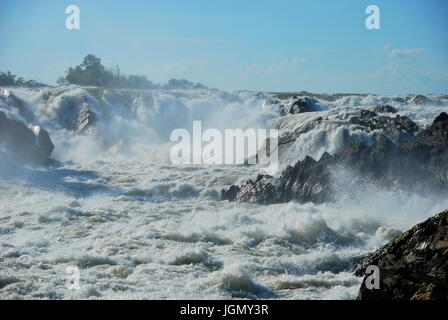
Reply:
x=403 y=64
x=276 y=54
x=392 y=52
x=394 y=71
x=437 y=74
x=406 y=52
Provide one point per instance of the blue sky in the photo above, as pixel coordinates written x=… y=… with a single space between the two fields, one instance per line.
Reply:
x=281 y=45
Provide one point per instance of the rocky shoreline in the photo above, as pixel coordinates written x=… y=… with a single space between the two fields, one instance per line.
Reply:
x=414 y=266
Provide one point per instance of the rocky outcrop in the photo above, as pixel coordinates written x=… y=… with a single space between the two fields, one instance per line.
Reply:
x=430 y=147
x=305 y=104
x=384 y=109
x=350 y=123
x=308 y=179
x=85 y=120
x=422 y=158
x=414 y=266
x=420 y=100
x=398 y=128
x=70 y=111
x=26 y=145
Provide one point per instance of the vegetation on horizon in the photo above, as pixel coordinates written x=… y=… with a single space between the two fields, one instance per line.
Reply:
x=91 y=72
x=8 y=79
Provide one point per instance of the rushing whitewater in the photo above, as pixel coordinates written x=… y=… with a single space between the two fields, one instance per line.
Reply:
x=139 y=227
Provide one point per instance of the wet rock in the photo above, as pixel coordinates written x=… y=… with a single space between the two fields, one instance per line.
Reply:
x=306 y=104
x=420 y=100
x=72 y=112
x=26 y=145
x=262 y=191
x=230 y=194
x=413 y=266
x=307 y=181
x=398 y=128
x=384 y=109
x=430 y=147
x=43 y=141
x=85 y=120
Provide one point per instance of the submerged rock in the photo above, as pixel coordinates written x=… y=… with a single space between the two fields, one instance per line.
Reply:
x=384 y=109
x=413 y=266
x=26 y=145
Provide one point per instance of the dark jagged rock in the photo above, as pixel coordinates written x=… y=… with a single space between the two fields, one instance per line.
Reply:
x=397 y=128
x=86 y=118
x=230 y=194
x=430 y=147
x=413 y=266
x=26 y=145
x=261 y=191
x=307 y=181
x=301 y=105
x=384 y=109
x=75 y=113
x=418 y=164
x=420 y=100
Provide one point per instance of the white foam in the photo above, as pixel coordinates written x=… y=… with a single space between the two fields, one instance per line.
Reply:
x=141 y=228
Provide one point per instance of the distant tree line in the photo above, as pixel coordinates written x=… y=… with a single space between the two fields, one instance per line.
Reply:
x=9 y=79
x=91 y=72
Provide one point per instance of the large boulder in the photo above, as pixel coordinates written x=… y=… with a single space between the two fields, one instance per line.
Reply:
x=413 y=266
x=26 y=145
x=384 y=109
x=305 y=104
